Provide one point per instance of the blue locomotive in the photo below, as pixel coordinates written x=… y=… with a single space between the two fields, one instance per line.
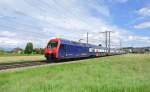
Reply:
x=63 y=49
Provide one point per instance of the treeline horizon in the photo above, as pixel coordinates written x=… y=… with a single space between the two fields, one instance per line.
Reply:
x=29 y=49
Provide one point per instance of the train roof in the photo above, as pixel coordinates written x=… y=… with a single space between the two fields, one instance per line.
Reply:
x=64 y=41
x=69 y=42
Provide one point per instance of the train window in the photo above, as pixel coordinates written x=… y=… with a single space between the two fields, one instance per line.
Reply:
x=52 y=44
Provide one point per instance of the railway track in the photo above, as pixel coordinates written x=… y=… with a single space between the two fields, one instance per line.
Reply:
x=36 y=63
x=5 y=66
x=21 y=64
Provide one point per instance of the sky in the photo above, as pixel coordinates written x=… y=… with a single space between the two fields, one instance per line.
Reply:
x=37 y=21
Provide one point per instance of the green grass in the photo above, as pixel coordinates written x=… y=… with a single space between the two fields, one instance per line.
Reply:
x=12 y=59
x=125 y=73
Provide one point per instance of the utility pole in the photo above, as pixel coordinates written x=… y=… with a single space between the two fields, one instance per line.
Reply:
x=107 y=40
x=120 y=44
x=87 y=37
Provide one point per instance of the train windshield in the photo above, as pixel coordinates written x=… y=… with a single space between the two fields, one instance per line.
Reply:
x=52 y=45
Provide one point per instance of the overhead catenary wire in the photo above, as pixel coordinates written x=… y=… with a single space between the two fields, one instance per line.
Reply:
x=107 y=40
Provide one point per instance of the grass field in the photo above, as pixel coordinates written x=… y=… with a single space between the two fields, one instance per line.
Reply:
x=8 y=54
x=124 y=73
x=12 y=59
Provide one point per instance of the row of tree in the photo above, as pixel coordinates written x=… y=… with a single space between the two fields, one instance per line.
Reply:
x=29 y=49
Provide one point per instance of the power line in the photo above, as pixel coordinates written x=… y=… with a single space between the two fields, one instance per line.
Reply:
x=107 y=40
x=87 y=37
x=120 y=43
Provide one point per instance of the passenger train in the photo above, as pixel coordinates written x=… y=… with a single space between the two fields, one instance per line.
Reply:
x=58 y=48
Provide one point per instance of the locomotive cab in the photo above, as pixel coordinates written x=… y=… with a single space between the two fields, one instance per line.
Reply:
x=52 y=44
x=51 y=51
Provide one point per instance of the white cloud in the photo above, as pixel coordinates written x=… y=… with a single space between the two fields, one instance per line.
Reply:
x=142 y=25
x=138 y=41
x=145 y=11
x=144 y=14
x=119 y=1
x=7 y=33
x=8 y=41
x=39 y=20
x=139 y=38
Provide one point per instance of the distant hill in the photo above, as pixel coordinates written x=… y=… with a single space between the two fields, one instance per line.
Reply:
x=5 y=49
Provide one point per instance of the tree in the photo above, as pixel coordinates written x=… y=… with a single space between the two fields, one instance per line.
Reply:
x=41 y=51
x=29 y=48
x=38 y=50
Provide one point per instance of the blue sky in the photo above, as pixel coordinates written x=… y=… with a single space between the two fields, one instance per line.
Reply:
x=37 y=21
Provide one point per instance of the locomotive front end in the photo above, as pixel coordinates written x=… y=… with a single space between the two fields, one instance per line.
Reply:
x=51 y=50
